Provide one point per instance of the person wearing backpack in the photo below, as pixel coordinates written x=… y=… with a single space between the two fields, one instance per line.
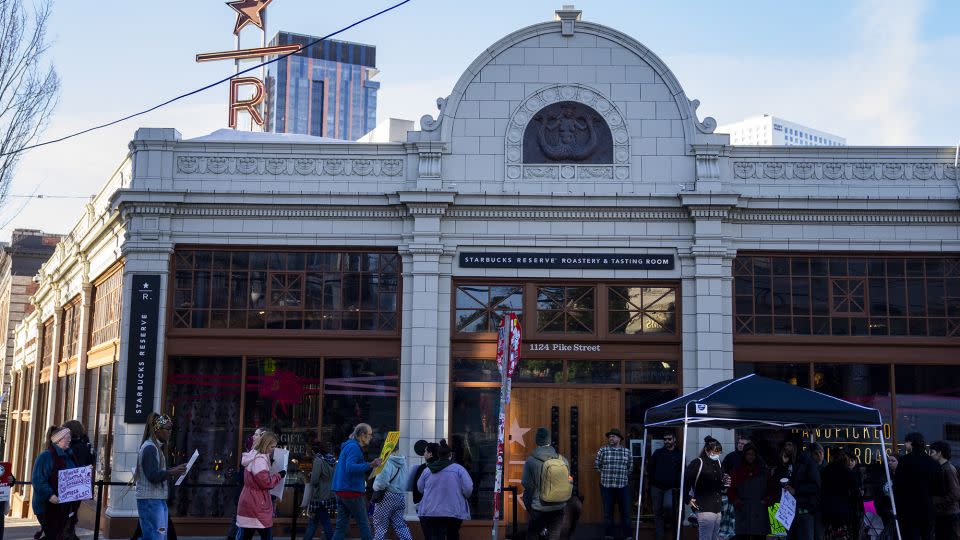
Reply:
x=615 y=463
x=703 y=487
x=446 y=486
x=546 y=488
x=388 y=494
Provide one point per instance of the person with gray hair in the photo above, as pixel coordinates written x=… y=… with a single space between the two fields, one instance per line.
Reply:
x=349 y=483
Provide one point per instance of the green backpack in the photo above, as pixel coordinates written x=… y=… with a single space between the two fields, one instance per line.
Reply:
x=555 y=484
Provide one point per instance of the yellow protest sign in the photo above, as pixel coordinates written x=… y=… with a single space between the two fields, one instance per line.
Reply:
x=393 y=439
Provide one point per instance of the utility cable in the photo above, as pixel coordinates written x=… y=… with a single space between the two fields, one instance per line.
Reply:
x=207 y=87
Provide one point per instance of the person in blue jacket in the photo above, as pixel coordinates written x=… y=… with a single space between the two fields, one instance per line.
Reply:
x=54 y=517
x=349 y=483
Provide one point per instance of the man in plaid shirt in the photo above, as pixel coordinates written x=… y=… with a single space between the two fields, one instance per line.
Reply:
x=615 y=464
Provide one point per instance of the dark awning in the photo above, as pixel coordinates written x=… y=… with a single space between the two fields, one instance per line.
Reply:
x=755 y=401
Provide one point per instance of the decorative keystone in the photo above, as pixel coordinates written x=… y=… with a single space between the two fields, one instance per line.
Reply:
x=568 y=16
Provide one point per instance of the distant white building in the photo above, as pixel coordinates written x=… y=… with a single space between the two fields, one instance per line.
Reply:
x=767 y=130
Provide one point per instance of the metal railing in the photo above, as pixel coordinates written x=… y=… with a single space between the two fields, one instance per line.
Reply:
x=297 y=495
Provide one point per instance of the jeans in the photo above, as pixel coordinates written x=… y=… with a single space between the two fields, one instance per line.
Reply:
x=664 y=510
x=321 y=518
x=356 y=507
x=551 y=521
x=708 y=525
x=612 y=497
x=153 y=518
x=440 y=528
x=804 y=527
x=247 y=534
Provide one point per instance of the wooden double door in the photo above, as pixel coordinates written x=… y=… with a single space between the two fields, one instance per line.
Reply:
x=578 y=419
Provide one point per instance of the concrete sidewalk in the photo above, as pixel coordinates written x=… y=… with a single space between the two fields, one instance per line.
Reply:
x=23 y=529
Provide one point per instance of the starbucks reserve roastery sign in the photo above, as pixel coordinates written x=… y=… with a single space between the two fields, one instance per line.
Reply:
x=142 y=351
x=581 y=261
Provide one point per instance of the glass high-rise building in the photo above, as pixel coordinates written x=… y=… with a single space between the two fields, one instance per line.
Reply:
x=324 y=90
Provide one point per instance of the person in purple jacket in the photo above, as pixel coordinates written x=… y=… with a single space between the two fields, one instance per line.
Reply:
x=446 y=486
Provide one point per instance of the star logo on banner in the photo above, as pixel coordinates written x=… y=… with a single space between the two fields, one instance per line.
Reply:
x=517 y=433
x=248 y=11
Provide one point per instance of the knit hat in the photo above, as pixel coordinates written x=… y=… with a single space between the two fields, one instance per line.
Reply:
x=543 y=436
x=419 y=447
x=63 y=433
x=615 y=431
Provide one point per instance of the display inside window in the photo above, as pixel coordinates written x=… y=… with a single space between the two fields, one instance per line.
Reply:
x=286 y=290
x=847 y=296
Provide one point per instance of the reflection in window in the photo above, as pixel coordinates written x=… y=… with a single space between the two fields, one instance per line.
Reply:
x=928 y=401
x=360 y=390
x=565 y=310
x=795 y=374
x=593 y=372
x=847 y=296
x=203 y=398
x=642 y=310
x=642 y=372
x=539 y=371
x=480 y=308
x=474 y=428
x=473 y=370
x=863 y=384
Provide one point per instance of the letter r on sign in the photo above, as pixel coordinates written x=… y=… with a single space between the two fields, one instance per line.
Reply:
x=248 y=105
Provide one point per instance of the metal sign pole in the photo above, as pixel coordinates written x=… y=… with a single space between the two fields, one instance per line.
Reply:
x=503 y=354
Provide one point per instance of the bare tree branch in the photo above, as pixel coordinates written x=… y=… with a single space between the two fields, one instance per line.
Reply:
x=28 y=87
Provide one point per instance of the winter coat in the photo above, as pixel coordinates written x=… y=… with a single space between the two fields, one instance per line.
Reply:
x=840 y=495
x=749 y=493
x=445 y=492
x=948 y=504
x=805 y=480
x=45 y=480
x=709 y=489
x=530 y=479
x=393 y=476
x=916 y=482
x=322 y=477
x=255 y=509
x=352 y=467
x=664 y=468
x=412 y=482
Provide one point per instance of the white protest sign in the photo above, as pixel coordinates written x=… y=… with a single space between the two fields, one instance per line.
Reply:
x=4 y=493
x=787 y=510
x=193 y=459
x=75 y=484
x=281 y=457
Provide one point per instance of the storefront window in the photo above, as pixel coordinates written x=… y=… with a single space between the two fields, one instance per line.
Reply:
x=847 y=296
x=473 y=370
x=70 y=335
x=539 y=371
x=46 y=348
x=480 y=308
x=283 y=395
x=40 y=419
x=863 y=384
x=795 y=374
x=565 y=310
x=66 y=391
x=593 y=372
x=360 y=390
x=638 y=372
x=642 y=310
x=98 y=403
x=107 y=299
x=474 y=427
x=286 y=290
x=203 y=397
x=928 y=401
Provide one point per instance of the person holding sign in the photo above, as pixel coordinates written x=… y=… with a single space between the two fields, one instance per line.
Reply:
x=390 y=487
x=349 y=482
x=255 y=509
x=151 y=477
x=804 y=485
x=54 y=517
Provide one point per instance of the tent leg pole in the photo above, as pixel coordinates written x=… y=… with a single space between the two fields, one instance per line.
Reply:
x=683 y=470
x=886 y=469
x=643 y=468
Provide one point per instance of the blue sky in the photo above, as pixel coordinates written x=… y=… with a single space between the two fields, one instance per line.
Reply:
x=875 y=72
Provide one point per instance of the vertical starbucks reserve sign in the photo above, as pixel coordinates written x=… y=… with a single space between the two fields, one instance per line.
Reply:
x=142 y=347
x=584 y=261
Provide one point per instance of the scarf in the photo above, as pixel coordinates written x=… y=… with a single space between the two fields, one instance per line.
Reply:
x=439 y=465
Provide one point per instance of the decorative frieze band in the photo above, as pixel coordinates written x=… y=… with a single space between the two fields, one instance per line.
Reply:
x=278 y=166
x=842 y=216
x=839 y=170
x=571 y=172
x=567 y=214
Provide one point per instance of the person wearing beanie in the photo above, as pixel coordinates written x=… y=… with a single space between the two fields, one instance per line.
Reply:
x=52 y=515
x=615 y=463
x=151 y=478
x=544 y=517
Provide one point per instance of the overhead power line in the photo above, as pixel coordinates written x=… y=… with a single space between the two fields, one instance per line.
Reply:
x=207 y=87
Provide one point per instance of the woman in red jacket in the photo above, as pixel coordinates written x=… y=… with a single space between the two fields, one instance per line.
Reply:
x=255 y=509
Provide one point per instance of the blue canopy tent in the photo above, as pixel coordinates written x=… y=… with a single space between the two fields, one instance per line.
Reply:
x=756 y=402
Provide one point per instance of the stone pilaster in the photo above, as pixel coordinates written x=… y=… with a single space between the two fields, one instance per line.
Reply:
x=57 y=328
x=86 y=316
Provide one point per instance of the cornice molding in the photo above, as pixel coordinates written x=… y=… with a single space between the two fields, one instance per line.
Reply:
x=262 y=211
x=255 y=166
x=889 y=169
x=742 y=215
x=568 y=214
